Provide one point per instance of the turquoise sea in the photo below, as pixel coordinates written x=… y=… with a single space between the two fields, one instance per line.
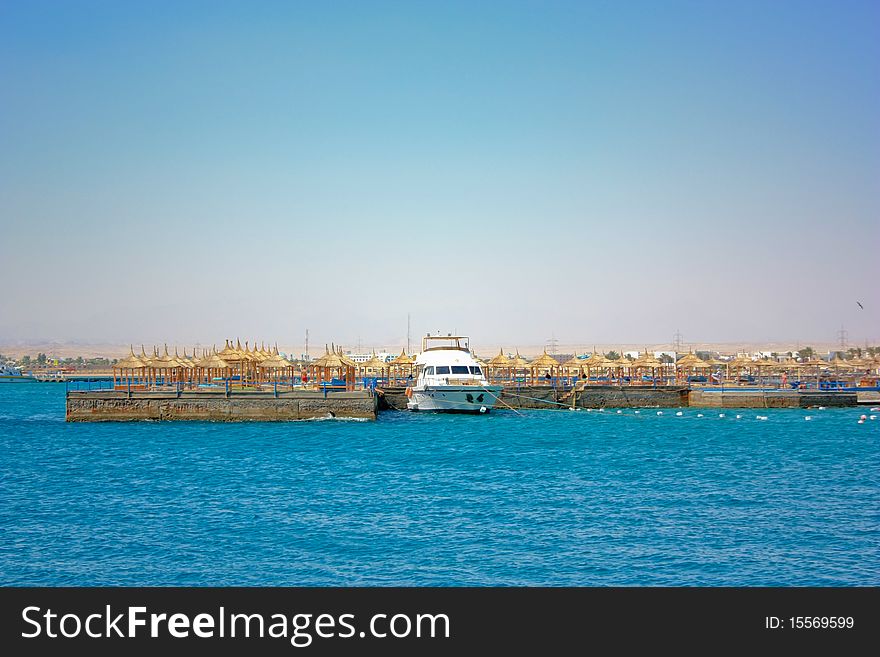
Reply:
x=543 y=498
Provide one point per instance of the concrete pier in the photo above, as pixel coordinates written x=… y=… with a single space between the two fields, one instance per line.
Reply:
x=769 y=398
x=236 y=406
x=119 y=405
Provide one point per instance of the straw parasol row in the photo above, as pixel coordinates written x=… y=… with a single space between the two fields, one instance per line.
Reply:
x=501 y=365
x=257 y=364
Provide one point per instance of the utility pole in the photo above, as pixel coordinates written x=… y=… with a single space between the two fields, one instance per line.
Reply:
x=553 y=343
x=676 y=341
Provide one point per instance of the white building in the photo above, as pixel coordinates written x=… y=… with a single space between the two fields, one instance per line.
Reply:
x=363 y=358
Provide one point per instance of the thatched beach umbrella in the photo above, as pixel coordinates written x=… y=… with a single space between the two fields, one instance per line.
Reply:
x=163 y=366
x=375 y=365
x=739 y=363
x=692 y=362
x=403 y=364
x=234 y=355
x=574 y=363
x=332 y=364
x=187 y=369
x=595 y=361
x=818 y=364
x=499 y=363
x=130 y=368
x=839 y=363
x=275 y=364
x=647 y=361
x=250 y=361
x=229 y=353
x=211 y=366
x=544 y=363
x=519 y=365
x=787 y=365
x=864 y=365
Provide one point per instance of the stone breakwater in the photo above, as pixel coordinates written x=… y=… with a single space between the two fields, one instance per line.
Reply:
x=769 y=398
x=546 y=397
x=118 y=406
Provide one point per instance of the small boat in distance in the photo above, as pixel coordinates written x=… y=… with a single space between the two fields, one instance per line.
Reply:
x=449 y=378
x=9 y=373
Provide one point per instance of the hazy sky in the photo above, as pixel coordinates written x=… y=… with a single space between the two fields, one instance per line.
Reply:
x=601 y=171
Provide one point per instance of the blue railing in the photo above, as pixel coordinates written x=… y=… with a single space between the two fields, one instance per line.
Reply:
x=78 y=385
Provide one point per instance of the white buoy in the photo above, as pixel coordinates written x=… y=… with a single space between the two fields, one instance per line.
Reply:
x=738 y=417
x=873 y=417
x=721 y=415
x=619 y=412
x=808 y=417
x=636 y=412
x=861 y=421
x=659 y=412
x=483 y=409
x=821 y=408
x=874 y=410
x=699 y=415
x=679 y=414
x=760 y=417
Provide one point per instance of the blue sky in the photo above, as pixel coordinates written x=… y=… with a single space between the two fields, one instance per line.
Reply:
x=599 y=171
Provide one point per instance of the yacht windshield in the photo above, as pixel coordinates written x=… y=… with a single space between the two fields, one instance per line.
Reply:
x=442 y=369
x=476 y=370
x=429 y=370
x=460 y=369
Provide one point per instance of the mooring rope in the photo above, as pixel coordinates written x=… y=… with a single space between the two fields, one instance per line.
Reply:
x=502 y=401
x=537 y=399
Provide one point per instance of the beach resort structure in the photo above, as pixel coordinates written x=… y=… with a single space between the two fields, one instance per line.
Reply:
x=259 y=382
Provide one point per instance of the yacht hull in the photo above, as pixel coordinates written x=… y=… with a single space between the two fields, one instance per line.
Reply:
x=454 y=399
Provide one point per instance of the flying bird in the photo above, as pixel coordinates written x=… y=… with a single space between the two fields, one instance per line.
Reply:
x=860 y=305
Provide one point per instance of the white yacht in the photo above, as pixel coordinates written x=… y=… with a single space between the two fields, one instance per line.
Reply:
x=449 y=378
x=9 y=373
